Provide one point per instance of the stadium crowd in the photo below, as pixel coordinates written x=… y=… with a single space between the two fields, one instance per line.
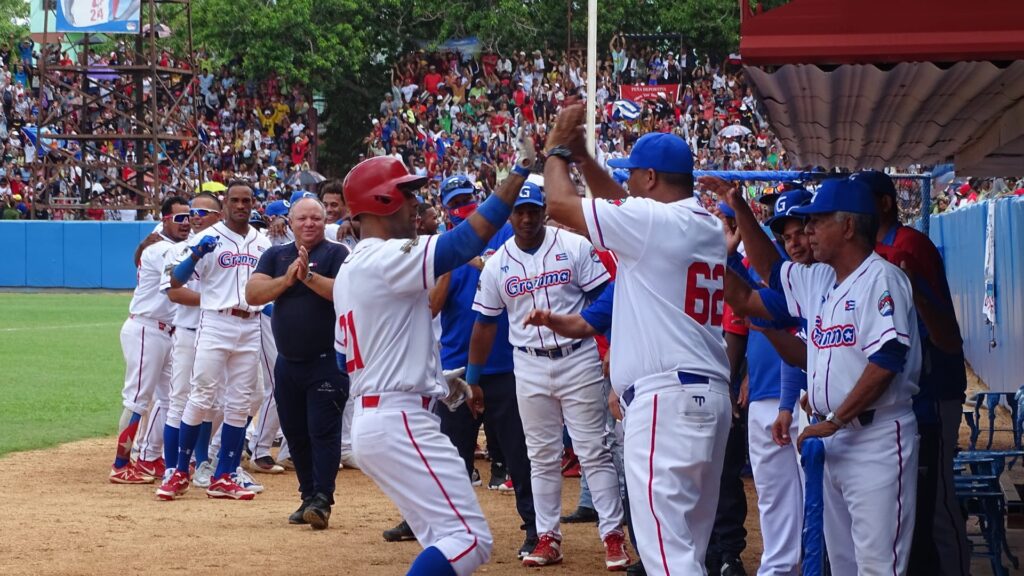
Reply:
x=261 y=130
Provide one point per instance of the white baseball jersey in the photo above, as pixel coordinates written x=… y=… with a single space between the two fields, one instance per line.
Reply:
x=384 y=323
x=850 y=321
x=556 y=276
x=668 y=290
x=226 y=270
x=148 y=300
x=184 y=316
x=331 y=233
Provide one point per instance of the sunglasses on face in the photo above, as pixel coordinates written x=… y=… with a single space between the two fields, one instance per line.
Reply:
x=202 y=212
x=454 y=185
x=179 y=218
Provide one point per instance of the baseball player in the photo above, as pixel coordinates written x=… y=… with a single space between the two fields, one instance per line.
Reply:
x=386 y=345
x=775 y=466
x=205 y=211
x=228 y=337
x=556 y=377
x=668 y=362
x=940 y=543
x=146 y=344
x=340 y=227
x=453 y=299
x=863 y=362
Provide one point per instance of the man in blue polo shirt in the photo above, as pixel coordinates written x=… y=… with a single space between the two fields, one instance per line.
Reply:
x=310 y=388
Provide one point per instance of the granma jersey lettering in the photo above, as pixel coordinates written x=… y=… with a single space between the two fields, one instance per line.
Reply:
x=833 y=336
x=516 y=286
x=230 y=260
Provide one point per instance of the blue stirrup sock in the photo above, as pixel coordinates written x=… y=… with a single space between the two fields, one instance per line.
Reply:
x=431 y=562
x=228 y=449
x=170 y=445
x=202 y=444
x=188 y=435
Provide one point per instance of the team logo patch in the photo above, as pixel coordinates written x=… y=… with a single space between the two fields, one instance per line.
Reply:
x=698 y=400
x=594 y=256
x=886 y=305
x=517 y=286
x=231 y=259
x=851 y=305
x=837 y=336
x=561 y=257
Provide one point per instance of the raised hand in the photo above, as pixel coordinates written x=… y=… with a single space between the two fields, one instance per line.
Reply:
x=206 y=245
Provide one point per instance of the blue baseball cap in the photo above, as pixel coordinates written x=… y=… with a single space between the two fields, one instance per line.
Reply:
x=620 y=175
x=726 y=210
x=530 y=193
x=454 y=186
x=256 y=218
x=839 y=195
x=785 y=203
x=278 y=208
x=659 y=152
x=300 y=194
x=879 y=182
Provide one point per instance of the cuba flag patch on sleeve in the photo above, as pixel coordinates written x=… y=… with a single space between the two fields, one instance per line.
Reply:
x=886 y=306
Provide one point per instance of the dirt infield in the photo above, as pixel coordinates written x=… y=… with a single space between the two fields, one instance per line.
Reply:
x=59 y=515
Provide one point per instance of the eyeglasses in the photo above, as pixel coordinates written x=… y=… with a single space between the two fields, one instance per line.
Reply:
x=179 y=218
x=202 y=212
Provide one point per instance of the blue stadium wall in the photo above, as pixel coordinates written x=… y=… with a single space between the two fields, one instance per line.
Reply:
x=70 y=254
x=996 y=353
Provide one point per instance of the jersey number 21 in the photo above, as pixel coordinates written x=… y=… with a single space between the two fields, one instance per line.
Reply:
x=348 y=330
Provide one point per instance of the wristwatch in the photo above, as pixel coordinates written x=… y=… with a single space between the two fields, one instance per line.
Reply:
x=561 y=151
x=831 y=417
x=309 y=275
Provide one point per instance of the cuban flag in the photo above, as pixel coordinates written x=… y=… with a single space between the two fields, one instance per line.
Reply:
x=625 y=110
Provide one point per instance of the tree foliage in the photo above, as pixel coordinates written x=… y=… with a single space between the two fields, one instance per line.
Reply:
x=344 y=48
x=13 y=20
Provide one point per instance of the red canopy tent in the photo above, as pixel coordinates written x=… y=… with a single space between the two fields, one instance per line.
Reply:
x=874 y=83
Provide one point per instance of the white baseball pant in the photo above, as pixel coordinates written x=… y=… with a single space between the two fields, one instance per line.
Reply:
x=147 y=357
x=401 y=447
x=870 y=494
x=227 y=359
x=571 y=388
x=675 y=437
x=347 y=456
x=183 y=357
x=267 y=425
x=780 y=494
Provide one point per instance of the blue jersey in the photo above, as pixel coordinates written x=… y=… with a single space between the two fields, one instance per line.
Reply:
x=599 y=313
x=457 y=318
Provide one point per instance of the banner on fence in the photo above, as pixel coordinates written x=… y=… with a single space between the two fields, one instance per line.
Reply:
x=107 y=16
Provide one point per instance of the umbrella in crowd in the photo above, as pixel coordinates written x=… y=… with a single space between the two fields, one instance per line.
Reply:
x=212 y=187
x=734 y=131
x=305 y=178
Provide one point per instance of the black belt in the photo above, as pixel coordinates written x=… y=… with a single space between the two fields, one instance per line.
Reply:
x=551 y=352
x=684 y=378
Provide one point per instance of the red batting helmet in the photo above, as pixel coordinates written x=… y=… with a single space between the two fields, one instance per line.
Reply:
x=376 y=186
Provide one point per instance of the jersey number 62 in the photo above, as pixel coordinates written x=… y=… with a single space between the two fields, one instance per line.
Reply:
x=704 y=303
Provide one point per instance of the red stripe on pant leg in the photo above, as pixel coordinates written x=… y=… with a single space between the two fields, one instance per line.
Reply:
x=650 y=484
x=142 y=356
x=899 y=499
x=464 y=552
x=405 y=420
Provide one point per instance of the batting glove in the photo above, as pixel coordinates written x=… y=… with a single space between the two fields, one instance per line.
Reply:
x=458 y=390
x=206 y=245
x=526 y=154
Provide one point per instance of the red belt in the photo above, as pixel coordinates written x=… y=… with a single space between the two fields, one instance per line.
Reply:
x=243 y=314
x=374 y=401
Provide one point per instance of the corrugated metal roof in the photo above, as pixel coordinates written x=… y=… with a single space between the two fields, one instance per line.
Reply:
x=862 y=116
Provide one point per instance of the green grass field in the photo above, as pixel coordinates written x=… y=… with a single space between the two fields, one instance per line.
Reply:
x=61 y=366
